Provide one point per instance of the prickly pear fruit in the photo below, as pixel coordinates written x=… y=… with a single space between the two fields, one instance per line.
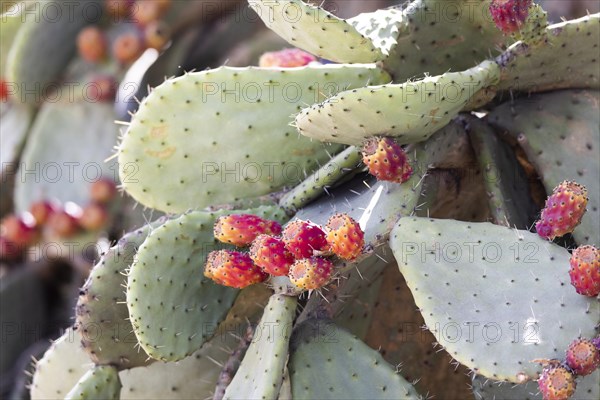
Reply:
x=233 y=269
x=156 y=35
x=242 y=229
x=311 y=273
x=302 y=238
x=146 y=11
x=556 y=383
x=386 y=160
x=286 y=58
x=270 y=254
x=563 y=210
x=3 y=90
x=583 y=357
x=18 y=230
x=91 y=44
x=127 y=48
x=93 y=217
x=41 y=210
x=345 y=237
x=118 y=9
x=585 y=270
x=510 y=15
x=102 y=88
x=9 y=251
x=62 y=224
x=103 y=190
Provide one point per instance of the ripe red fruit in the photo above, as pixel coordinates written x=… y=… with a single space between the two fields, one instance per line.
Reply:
x=102 y=88
x=242 y=229
x=93 y=217
x=157 y=35
x=3 y=90
x=9 y=251
x=556 y=383
x=62 y=224
x=563 y=210
x=585 y=270
x=233 y=269
x=286 y=58
x=386 y=160
x=510 y=15
x=303 y=238
x=583 y=357
x=19 y=231
x=103 y=190
x=270 y=254
x=41 y=211
x=345 y=237
x=91 y=44
x=311 y=273
x=127 y=48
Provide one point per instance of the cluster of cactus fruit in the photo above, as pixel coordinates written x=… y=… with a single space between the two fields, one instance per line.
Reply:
x=265 y=184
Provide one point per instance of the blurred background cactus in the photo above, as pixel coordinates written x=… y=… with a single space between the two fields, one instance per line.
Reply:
x=145 y=145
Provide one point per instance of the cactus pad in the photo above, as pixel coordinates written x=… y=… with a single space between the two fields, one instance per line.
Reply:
x=549 y=66
x=183 y=148
x=102 y=315
x=327 y=362
x=411 y=112
x=560 y=133
x=267 y=352
x=495 y=298
x=172 y=306
x=99 y=383
x=317 y=31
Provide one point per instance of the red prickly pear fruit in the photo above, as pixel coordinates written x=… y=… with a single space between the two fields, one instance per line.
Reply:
x=311 y=273
x=9 y=251
x=303 y=238
x=103 y=190
x=127 y=48
x=91 y=44
x=386 y=160
x=147 y=11
x=583 y=357
x=118 y=9
x=242 y=229
x=585 y=270
x=596 y=342
x=3 y=90
x=345 y=237
x=41 y=211
x=233 y=269
x=94 y=217
x=102 y=88
x=556 y=383
x=270 y=254
x=62 y=224
x=286 y=58
x=563 y=210
x=19 y=230
x=510 y=15
x=156 y=35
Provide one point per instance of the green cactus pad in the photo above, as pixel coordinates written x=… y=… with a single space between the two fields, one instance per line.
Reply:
x=313 y=186
x=550 y=66
x=431 y=36
x=411 y=112
x=327 y=362
x=101 y=383
x=49 y=168
x=215 y=136
x=12 y=20
x=45 y=44
x=487 y=389
x=560 y=133
x=193 y=377
x=102 y=317
x=172 y=306
x=261 y=372
x=504 y=179
x=316 y=30
x=494 y=297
